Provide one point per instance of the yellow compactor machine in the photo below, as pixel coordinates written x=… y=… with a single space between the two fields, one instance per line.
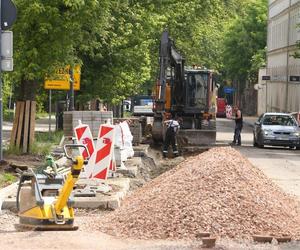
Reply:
x=44 y=200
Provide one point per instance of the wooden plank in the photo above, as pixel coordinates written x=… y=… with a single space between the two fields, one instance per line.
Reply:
x=15 y=125
x=32 y=122
x=26 y=126
x=20 y=124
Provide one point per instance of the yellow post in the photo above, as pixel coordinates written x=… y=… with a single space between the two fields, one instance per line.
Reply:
x=66 y=190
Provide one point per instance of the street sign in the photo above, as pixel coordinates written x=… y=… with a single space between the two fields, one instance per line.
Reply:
x=295 y=78
x=63 y=84
x=7 y=44
x=8 y=14
x=7 y=64
x=266 y=78
x=228 y=90
x=61 y=81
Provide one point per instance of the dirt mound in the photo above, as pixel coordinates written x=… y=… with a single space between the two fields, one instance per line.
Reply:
x=218 y=191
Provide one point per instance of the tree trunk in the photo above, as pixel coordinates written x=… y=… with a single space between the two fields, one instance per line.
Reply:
x=27 y=90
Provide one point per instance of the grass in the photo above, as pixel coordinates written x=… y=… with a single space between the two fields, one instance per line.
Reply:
x=42 y=145
x=8 y=115
x=127 y=114
x=44 y=142
x=6 y=179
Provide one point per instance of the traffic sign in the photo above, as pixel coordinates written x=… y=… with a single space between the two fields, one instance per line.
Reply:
x=266 y=78
x=7 y=64
x=7 y=44
x=295 y=78
x=8 y=14
x=228 y=90
x=61 y=81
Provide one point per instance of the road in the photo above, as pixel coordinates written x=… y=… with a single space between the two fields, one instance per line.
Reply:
x=282 y=165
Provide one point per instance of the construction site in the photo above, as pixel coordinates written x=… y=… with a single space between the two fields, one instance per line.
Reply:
x=156 y=143
x=214 y=198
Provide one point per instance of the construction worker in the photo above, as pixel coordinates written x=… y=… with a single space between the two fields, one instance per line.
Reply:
x=238 y=126
x=170 y=136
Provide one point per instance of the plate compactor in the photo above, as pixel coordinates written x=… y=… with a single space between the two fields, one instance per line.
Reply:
x=44 y=200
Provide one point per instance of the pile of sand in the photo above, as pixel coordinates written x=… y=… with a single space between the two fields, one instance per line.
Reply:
x=218 y=191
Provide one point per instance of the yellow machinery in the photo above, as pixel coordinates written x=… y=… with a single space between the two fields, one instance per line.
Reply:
x=43 y=200
x=185 y=92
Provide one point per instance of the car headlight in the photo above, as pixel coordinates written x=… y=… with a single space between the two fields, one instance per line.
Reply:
x=296 y=134
x=267 y=132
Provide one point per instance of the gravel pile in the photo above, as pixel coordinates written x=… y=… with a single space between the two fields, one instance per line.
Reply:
x=218 y=191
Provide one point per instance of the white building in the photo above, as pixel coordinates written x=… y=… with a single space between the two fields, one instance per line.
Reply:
x=282 y=91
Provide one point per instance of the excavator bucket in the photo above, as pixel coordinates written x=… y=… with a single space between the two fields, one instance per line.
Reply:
x=196 y=137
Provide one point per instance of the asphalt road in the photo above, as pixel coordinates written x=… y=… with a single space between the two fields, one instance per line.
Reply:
x=282 y=165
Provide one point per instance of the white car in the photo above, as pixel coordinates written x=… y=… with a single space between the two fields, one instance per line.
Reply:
x=276 y=129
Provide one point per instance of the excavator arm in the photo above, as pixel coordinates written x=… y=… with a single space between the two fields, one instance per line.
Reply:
x=171 y=71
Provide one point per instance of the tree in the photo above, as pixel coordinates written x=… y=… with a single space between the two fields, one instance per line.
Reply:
x=47 y=36
x=245 y=42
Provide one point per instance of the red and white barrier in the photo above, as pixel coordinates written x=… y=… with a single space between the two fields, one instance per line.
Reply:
x=84 y=136
x=103 y=153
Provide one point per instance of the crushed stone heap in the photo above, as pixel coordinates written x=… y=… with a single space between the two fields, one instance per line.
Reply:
x=218 y=191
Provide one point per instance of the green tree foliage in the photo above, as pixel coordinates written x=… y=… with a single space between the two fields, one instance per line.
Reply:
x=48 y=34
x=245 y=42
x=117 y=42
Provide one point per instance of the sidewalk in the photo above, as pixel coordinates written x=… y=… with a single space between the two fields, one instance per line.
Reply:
x=41 y=125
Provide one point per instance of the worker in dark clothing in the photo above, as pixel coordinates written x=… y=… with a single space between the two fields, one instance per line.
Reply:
x=170 y=137
x=238 y=126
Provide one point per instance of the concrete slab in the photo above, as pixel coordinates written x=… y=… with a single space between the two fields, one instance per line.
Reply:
x=132 y=166
x=129 y=172
x=141 y=150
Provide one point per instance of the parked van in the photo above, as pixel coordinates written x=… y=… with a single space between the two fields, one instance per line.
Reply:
x=142 y=105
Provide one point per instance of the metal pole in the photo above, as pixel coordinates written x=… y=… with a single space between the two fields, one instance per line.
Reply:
x=1 y=104
x=287 y=58
x=50 y=113
x=266 y=96
x=71 y=90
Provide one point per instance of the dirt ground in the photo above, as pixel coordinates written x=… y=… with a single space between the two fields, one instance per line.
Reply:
x=86 y=238
x=12 y=162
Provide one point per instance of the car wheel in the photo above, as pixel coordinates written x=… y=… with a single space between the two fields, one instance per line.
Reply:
x=291 y=147
x=298 y=148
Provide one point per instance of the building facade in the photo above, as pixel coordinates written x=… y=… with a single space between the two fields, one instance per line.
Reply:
x=282 y=90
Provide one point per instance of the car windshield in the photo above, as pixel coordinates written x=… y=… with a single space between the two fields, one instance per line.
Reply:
x=281 y=120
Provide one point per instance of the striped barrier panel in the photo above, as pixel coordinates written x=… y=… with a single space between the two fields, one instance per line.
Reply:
x=84 y=136
x=104 y=151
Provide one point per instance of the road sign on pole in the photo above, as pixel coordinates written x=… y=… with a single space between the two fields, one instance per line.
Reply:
x=7 y=64
x=7 y=44
x=8 y=14
x=61 y=81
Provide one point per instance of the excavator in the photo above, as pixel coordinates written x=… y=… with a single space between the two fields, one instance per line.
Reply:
x=44 y=199
x=185 y=92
